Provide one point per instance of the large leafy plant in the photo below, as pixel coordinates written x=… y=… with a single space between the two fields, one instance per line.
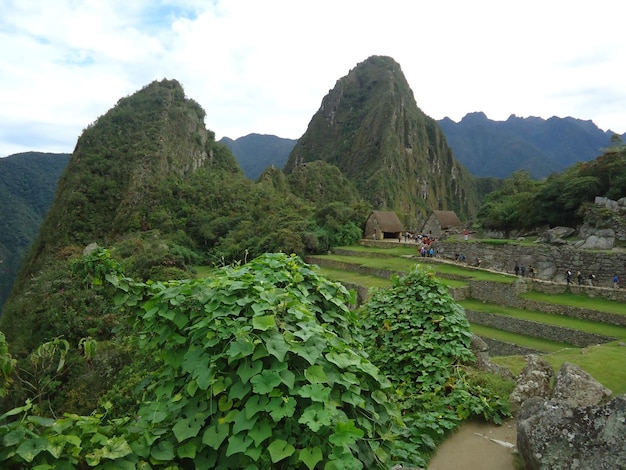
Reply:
x=420 y=338
x=263 y=369
x=262 y=366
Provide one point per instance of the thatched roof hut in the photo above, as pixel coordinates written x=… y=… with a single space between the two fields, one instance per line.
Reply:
x=441 y=221
x=383 y=224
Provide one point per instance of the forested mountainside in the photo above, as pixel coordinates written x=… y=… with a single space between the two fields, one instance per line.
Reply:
x=370 y=127
x=256 y=152
x=539 y=146
x=28 y=182
x=149 y=181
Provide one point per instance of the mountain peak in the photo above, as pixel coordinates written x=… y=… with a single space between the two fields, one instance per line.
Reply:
x=370 y=127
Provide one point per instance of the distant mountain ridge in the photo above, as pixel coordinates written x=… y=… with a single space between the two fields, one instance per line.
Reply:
x=28 y=182
x=539 y=146
x=256 y=152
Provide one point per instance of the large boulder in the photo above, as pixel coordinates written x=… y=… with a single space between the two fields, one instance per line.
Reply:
x=534 y=381
x=574 y=428
x=576 y=387
x=556 y=235
x=556 y=436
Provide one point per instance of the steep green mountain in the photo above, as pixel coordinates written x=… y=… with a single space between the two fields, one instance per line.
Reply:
x=533 y=144
x=149 y=182
x=256 y=152
x=117 y=186
x=28 y=182
x=370 y=127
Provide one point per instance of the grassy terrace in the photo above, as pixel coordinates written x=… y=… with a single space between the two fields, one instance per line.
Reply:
x=574 y=300
x=548 y=319
x=405 y=264
x=353 y=277
x=538 y=344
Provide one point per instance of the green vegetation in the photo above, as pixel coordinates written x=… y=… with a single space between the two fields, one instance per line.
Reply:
x=604 y=362
x=576 y=300
x=265 y=366
x=563 y=321
x=370 y=127
x=420 y=339
x=27 y=186
x=404 y=265
x=560 y=200
x=530 y=342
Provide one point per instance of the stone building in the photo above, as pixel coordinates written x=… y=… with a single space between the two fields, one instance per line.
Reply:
x=383 y=224
x=440 y=222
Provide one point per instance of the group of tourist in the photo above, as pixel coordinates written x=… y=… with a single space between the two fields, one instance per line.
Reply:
x=591 y=279
x=523 y=271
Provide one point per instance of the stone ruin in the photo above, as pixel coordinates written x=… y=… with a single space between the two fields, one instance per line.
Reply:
x=573 y=424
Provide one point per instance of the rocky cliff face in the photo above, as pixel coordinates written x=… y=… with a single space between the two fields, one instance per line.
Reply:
x=371 y=128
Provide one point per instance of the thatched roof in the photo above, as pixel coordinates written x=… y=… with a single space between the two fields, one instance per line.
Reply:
x=447 y=219
x=388 y=221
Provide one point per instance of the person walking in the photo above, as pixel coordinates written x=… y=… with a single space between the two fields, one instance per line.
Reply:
x=569 y=277
x=616 y=281
x=579 y=277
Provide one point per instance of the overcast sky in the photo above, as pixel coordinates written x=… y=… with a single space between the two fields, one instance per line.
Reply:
x=263 y=66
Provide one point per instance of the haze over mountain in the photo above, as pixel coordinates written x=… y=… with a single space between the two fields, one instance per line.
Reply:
x=28 y=182
x=539 y=146
x=370 y=127
x=256 y=152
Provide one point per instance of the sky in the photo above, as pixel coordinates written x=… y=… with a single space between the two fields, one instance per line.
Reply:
x=264 y=66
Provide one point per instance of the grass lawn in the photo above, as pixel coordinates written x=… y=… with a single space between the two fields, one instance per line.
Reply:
x=562 y=321
x=604 y=362
x=538 y=344
x=401 y=264
x=577 y=300
x=352 y=277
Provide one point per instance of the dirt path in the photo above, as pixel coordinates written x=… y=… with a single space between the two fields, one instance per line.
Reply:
x=478 y=446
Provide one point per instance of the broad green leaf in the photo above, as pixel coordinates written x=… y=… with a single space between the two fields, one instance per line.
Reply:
x=224 y=404
x=14 y=437
x=264 y=322
x=277 y=347
x=315 y=416
x=280 y=449
x=260 y=432
x=255 y=404
x=242 y=347
x=116 y=448
x=248 y=369
x=30 y=448
x=238 y=443
x=186 y=428
x=316 y=392
x=242 y=423
x=310 y=456
x=265 y=382
x=343 y=360
x=281 y=407
x=346 y=433
x=316 y=375
x=215 y=435
x=288 y=378
x=187 y=450
x=254 y=453
x=239 y=390
x=164 y=451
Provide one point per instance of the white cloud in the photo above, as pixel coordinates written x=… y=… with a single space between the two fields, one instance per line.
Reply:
x=265 y=66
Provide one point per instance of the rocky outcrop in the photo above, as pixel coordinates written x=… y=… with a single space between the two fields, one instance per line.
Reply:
x=571 y=426
x=534 y=380
x=556 y=436
x=483 y=362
